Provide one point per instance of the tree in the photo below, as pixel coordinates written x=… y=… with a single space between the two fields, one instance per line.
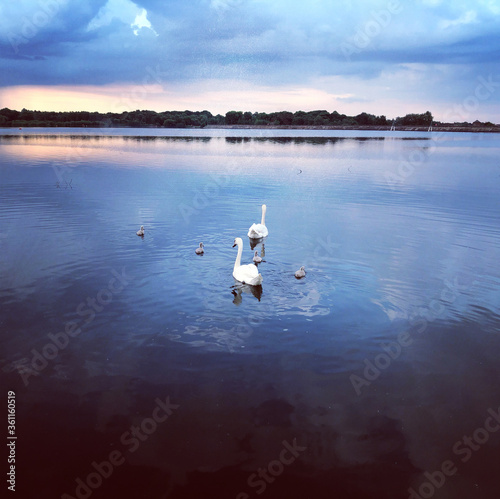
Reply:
x=26 y=115
x=169 y=123
x=365 y=119
x=10 y=114
x=424 y=119
x=247 y=118
x=233 y=117
x=284 y=117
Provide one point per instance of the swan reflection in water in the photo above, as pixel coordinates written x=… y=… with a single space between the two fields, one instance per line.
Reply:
x=255 y=242
x=238 y=289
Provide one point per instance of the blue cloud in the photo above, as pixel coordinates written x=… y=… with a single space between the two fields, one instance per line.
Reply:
x=270 y=42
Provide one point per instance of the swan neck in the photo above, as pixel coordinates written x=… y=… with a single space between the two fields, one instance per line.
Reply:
x=237 y=263
x=263 y=221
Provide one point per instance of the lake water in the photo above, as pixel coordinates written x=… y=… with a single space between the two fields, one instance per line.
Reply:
x=141 y=369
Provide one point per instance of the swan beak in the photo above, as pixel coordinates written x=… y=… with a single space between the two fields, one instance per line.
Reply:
x=234 y=245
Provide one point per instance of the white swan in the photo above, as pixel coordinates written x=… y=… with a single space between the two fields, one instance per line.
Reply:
x=140 y=232
x=247 y=274
x=256 y=257
x=300 y=273
x=257 y=231
x=200 y=250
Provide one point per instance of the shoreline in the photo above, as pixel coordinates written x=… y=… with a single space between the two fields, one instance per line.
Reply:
x=443 y=128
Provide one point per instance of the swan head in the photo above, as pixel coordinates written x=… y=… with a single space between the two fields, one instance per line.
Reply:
x=201 y=245
x=264 y=208
x=237 y=242
x=302 y=269
x=142 y=227
x=256 y=253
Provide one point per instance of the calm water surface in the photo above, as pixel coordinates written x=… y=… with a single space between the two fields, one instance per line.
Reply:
x=359 y=381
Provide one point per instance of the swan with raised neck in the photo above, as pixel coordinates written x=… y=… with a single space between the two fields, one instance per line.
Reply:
x=246 y=274
x=258 y=231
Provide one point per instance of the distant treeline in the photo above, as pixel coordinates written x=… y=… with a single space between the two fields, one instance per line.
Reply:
x=170 y=119
x=200 y=119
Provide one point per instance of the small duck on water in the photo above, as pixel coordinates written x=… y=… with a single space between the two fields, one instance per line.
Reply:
x=256 y=257
x=300 y=273
x=200 y=250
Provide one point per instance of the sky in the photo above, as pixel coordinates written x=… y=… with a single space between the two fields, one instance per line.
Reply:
x=390 y=57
